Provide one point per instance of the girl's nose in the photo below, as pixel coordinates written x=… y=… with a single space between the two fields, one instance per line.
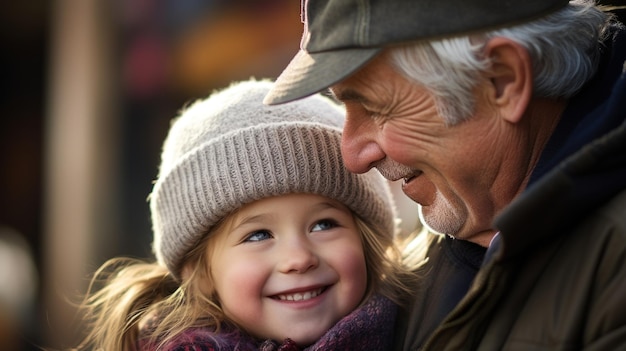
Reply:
x=297 y=256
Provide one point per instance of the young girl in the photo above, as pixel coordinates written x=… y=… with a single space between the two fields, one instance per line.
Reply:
x=263 y=239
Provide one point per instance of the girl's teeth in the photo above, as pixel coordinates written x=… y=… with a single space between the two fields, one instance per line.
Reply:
x=300 y=296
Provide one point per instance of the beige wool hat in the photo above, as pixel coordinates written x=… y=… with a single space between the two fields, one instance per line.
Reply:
x=229 y=150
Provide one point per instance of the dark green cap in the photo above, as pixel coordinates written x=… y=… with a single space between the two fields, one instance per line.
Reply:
x=340 y=36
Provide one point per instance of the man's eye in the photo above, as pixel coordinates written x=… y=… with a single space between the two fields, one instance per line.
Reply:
x=374 y=114
x=324 y=224
x=377 y=117
x=258 y=235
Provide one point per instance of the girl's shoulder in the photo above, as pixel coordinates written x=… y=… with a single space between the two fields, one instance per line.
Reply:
x=189 y=340
x=203 y=339
x=197 y=339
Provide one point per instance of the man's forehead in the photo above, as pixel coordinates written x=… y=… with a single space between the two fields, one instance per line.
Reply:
x=372 y=72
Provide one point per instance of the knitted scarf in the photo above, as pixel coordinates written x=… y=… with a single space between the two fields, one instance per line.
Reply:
x=369 y=327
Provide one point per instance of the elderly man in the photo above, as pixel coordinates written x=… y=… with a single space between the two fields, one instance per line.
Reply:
x=505 y=122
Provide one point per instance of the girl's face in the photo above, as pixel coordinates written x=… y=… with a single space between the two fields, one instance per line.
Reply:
x=289 y=266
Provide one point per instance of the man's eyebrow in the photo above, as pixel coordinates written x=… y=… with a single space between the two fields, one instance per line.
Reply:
x=347 y=95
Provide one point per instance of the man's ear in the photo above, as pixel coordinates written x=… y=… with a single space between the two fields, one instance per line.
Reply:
x=510 y=76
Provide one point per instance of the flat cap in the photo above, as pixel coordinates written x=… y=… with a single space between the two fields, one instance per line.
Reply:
x=340 y=36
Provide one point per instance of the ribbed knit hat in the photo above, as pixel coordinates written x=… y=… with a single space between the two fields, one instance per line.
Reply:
x=229 y=150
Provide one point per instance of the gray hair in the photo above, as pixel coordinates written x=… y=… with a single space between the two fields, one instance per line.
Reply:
x=563 y=47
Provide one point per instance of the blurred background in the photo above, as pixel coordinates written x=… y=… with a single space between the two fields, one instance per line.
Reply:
x=88 y=90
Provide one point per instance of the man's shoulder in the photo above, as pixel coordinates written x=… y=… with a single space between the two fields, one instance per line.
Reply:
x=615 y=210
x=440 y=259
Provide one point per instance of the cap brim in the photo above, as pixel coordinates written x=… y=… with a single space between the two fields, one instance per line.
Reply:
x=309 y=73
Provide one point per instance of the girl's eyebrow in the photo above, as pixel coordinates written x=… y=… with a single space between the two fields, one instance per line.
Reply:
x=252 y=219
x=265 y=217
x=325 y=205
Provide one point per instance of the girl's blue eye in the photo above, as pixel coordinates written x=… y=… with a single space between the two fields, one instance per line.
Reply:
x=324 y=224
x=258 y=235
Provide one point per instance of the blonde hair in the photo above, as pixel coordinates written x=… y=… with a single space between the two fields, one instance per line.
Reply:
x=125 y=293
x=386 y=273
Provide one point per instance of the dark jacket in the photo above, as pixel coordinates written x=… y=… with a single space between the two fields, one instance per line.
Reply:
x=557 y=277
x=443 y=280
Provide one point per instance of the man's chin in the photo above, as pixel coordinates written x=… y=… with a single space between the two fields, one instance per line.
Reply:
x=440 y=220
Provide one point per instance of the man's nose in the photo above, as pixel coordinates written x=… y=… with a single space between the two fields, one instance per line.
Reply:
x=359 y=148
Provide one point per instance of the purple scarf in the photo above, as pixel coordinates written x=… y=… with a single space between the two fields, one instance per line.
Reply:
x=369 y=327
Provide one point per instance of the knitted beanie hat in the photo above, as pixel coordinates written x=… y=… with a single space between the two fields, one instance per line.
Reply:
x=229 y=150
